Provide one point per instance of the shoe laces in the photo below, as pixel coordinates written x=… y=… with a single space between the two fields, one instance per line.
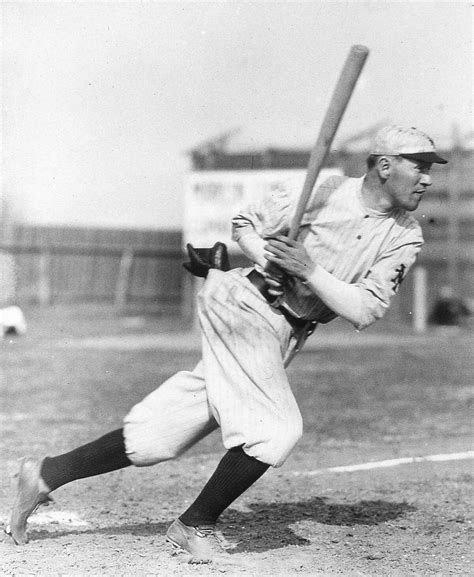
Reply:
x=213 y=538
x=206 y=531
x=212 y=531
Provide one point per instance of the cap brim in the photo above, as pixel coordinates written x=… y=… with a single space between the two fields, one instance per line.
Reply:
x=430 y=157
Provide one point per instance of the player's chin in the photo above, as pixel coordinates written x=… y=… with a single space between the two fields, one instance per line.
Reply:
x=414 y=202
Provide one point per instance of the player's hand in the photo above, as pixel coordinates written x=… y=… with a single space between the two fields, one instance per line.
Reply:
x=275 y=278
x=290 y=256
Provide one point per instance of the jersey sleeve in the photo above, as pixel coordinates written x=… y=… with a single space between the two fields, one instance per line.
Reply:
x=272 y=215
x=384 y=278
x=269 y=217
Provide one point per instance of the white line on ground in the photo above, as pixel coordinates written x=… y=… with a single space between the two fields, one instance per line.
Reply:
x=190 y=341
x=387 y=463
x=69 y=518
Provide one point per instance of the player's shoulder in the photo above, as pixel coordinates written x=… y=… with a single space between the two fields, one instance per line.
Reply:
x=327 y=188
x=408 y=225
x=332 y=183
x=406 y=219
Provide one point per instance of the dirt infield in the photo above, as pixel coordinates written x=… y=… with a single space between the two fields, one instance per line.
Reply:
x=385 y=398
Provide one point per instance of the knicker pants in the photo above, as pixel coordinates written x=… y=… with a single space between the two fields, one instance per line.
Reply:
x=240 y=384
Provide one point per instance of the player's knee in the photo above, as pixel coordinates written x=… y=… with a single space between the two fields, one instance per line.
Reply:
x=289 y=437
x=146 y=442
x=276 y=449
x=297 y=430
x=146 y=456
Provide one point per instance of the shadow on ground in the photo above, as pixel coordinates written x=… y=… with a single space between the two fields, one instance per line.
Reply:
x=268 y=526
x=265 y=526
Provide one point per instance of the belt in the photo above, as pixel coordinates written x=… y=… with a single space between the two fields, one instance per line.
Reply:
x=258 y=281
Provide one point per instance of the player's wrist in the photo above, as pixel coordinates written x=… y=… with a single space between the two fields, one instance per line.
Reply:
x=310 y=278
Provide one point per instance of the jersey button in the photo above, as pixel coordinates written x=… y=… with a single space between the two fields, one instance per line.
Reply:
x=358 y=237
x=366 y=216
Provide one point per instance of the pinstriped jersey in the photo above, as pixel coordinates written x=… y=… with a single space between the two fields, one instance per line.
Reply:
x=370 y=249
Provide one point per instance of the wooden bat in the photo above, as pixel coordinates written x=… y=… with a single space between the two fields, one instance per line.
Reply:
x=342 y=93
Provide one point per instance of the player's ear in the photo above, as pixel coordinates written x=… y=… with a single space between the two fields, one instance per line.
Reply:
x=384 y=165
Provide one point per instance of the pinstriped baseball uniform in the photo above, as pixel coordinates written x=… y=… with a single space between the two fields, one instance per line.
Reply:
x=356 y=244
x=240 y=384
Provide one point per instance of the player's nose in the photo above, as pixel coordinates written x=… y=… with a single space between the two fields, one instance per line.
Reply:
x=426 y=180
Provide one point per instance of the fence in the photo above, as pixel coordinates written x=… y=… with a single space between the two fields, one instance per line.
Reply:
x=64 y=264
x=56 y=264
x=144 y=267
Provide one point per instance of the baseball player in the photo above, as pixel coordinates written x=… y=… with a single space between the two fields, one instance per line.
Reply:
x=356 y=242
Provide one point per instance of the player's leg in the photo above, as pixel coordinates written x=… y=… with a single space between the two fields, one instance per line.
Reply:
x=247 y=387
x=195 y=531
x=38 y=478
x=162 y=426
x=103 y=455
x=249 y=392
x=169 y=420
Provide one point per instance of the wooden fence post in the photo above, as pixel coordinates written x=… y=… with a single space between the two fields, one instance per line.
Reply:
x=453 y=214
x=420 y=308
x=123 y=279
x=44 y=278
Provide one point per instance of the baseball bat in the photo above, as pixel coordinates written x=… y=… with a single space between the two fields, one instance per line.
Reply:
x=340 y=98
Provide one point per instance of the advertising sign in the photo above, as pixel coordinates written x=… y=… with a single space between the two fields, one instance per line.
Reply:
x=213 y=198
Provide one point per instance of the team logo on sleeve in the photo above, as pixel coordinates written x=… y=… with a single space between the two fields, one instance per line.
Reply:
x=398 y=278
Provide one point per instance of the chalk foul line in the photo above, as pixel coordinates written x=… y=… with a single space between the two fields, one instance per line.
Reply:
x=387 y=463
x=68 y=518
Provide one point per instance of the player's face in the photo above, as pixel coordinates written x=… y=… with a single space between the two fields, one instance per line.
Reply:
x=408 y=181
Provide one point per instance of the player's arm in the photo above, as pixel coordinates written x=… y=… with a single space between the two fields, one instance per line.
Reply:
x=343 y=298
x=359 y=303
x=252 y=245
x=272 y=215
x=265 y=218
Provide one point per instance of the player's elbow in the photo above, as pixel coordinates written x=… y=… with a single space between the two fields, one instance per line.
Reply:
x=241 y=227
x=371 y=310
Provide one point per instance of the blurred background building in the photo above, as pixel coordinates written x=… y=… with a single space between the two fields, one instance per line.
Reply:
x=63 y=264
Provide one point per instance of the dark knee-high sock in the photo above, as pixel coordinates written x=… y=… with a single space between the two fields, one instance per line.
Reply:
x=101 y=456
x=235 y=473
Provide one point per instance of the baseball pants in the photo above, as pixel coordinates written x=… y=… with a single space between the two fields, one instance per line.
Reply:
x=240 y=385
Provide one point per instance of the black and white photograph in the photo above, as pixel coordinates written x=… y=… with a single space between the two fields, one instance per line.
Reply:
x=236 y=288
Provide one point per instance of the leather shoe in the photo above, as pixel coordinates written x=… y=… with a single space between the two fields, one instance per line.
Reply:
x=32 y=492
x=202 y=543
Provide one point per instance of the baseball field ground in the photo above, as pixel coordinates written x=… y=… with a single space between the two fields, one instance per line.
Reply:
x=380 y=484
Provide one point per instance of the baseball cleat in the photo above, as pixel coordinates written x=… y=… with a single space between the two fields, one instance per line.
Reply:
x=202 y=543
x=31 y=493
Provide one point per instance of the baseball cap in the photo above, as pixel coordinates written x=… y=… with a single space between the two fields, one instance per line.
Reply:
x=407 y=142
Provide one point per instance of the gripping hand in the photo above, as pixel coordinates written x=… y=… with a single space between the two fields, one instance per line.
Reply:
x=276 y=279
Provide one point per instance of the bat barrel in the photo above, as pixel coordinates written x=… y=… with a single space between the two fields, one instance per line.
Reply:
x=340 y=98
